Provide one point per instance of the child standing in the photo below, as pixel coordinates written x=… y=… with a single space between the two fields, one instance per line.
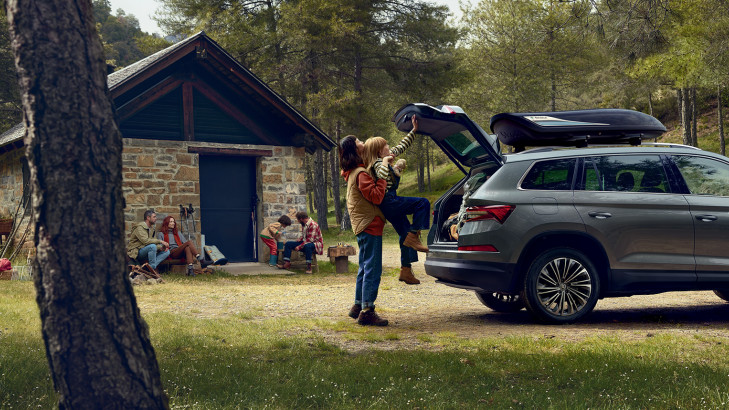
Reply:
x=378 y=157
x=271 y=236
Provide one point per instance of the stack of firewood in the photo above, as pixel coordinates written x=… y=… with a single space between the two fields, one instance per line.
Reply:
x=140 y=274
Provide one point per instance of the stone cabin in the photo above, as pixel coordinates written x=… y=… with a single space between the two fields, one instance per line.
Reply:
x=199 y=129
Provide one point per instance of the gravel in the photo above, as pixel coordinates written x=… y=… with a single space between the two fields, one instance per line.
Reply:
x=418 y=312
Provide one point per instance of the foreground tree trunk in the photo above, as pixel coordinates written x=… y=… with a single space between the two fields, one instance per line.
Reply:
x=97 y=344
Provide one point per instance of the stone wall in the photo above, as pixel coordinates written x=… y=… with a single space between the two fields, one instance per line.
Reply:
x=11 y=182
x=163 y=174
x=284 y=187
x=11 y=194
x=159 y=175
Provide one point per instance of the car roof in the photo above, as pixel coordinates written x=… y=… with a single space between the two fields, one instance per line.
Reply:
x=562 y=152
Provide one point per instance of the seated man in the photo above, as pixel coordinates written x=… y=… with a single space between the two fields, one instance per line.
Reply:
x=310 y=242
x=143 y=243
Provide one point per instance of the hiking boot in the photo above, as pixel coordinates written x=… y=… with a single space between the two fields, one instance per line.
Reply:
x=190 y=270
x=308 y=268
x=413 y=241
x=370 y=318
x=354 y=311
x=406 y=275
x=283 y=265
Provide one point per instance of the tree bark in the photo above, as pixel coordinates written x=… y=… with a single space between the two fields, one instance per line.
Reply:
x=320 y=190
x=722 y=145
x=309 y=183
x=650 y=103
x=97 y=344
x=427 y=162
x=694 y=118
x=335 y=175
x=421 y=164
x=685 y=115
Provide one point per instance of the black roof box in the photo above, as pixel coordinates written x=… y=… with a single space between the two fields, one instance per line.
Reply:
x=575 y=128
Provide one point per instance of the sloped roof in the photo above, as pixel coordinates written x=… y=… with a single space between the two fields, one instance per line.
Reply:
x=122 y=80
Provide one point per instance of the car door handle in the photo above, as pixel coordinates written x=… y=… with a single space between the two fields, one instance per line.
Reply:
x=706 y=218
x=600 y=215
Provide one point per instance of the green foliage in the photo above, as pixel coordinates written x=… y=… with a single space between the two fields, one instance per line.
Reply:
x=11 y=111
x=350 y=62
x=124 y=41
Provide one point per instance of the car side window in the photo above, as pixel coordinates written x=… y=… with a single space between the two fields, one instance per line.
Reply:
x=704 y=176
x=550 y=175
x=626 y=173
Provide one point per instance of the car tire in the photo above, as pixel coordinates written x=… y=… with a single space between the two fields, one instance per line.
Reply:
x=561 y=286
x=501 y=302
x=723 y=293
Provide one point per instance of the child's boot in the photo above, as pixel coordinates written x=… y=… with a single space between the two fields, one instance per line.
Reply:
x=272 y=260
x=413 y=241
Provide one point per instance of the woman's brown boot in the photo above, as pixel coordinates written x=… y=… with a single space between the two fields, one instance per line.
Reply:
x=368 y=317
x=406 y=275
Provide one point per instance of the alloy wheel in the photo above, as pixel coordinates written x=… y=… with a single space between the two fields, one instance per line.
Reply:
x=564 y=286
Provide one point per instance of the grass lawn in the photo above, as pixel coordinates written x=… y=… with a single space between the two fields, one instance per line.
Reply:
x=249 y=360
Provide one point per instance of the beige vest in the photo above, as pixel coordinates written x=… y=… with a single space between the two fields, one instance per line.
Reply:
x=361 y=211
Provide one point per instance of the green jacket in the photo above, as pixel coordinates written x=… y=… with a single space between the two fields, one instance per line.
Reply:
x=141 y=236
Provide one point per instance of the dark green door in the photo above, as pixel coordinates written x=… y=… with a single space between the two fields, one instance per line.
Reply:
x=228 y=204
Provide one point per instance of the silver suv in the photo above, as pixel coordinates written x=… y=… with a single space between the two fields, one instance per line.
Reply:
x=556 y=229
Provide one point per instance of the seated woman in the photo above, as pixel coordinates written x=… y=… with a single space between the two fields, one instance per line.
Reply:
x=179 y=245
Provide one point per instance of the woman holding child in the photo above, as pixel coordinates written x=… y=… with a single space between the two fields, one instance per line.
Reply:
x=363 y=196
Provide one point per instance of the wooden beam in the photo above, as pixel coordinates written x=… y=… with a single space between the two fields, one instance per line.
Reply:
x=134 y=105
x=158 y=66
x=239 y=152
x=188 y=127
x=12 y=146
x=266 y=92
x=229 y=108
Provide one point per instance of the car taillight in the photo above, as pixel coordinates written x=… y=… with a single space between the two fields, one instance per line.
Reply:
x=482 y=248
x=498 y=213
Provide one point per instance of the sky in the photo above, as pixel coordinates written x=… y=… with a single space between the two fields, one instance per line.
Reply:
x=143 y=10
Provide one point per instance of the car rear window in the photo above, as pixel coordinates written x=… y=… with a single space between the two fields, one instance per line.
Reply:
x=465 y=145
x=626 y=173
x=550 y=175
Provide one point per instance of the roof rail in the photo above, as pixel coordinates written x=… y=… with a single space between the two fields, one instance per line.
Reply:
x=670 y=145
x=538 y=149
x=643 y=144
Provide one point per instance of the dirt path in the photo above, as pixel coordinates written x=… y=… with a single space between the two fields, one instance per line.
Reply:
x=418 y=312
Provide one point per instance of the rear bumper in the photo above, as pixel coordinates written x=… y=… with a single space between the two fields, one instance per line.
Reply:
x=487 y=276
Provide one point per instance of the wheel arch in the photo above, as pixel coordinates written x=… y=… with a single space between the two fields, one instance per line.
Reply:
x=579 y=241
